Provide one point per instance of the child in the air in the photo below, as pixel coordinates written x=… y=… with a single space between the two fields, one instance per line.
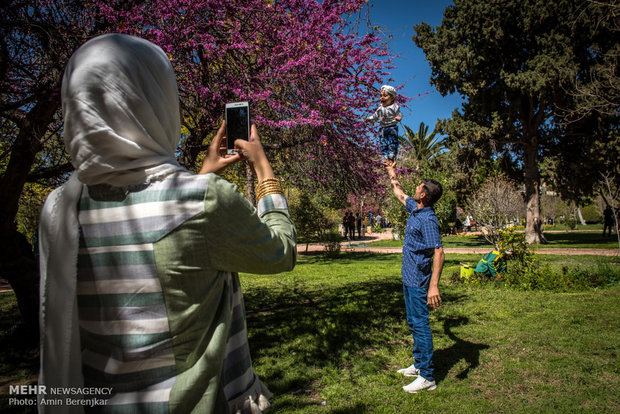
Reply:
x=388 y=115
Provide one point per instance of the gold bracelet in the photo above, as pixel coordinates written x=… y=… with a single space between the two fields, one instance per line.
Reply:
x=268 y=186
x=263 y=194
x=266 y=192
x=269 y=180
x=269 y=189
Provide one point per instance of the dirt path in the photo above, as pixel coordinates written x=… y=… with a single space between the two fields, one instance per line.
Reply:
x=482 y=251
x=362 y=246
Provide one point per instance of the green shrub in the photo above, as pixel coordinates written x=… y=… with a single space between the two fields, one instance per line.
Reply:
x=571 y=223
x=331 y=242
x=513 y=246
x=376 y=228
x=591 y=214
x=523 y=271
x=544 y=278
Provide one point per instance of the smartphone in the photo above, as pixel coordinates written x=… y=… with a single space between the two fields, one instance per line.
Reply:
x=237 y=124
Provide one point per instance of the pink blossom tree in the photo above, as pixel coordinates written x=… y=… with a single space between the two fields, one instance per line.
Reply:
x=309 y=70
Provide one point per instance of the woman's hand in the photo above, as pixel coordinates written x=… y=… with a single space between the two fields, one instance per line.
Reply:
x=253 y=151
x=215 y=162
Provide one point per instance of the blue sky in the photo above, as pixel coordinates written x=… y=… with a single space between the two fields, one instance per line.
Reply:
x=398 y=18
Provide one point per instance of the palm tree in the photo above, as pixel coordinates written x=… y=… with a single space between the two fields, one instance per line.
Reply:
x=421 y=147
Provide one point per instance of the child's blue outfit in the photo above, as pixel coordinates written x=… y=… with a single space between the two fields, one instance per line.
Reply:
x=388 y=136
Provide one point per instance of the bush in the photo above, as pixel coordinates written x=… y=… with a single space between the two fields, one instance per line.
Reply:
x=571 y=223
x=591 y=214
x=519 y=257
x=376 y=228
x=544 y=278
x=512 y=244
x=309 y=218
x=523 y=270
x=331 y=242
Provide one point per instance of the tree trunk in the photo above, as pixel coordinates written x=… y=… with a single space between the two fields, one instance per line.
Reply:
x=17 y=260
x=533 y=226
x=581 y=220
x=250 y=194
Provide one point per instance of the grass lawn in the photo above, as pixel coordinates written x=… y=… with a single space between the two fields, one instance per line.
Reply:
x=329 y=336
x=572 y=240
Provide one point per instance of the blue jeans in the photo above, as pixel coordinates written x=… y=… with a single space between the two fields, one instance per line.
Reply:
x=417 y=318
x=388 y=141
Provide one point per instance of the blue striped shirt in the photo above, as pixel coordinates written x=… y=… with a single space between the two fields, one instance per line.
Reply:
x=421 y=239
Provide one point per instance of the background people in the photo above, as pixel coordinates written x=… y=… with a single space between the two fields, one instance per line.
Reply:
x=608 y=220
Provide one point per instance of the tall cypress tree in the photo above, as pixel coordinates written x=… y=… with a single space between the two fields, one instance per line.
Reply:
x=515 y=62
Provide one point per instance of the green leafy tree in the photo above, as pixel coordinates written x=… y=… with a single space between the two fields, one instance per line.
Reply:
x=597 y=91
x=309 y=218
x=445 y=208
x=514 y=62
x=589 y=147
x=420 y=147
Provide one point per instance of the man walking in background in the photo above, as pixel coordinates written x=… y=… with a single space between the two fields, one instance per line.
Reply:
x=358 y=224
x=608 y=217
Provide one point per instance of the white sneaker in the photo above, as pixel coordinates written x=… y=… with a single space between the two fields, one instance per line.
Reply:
x=420 y=384
x=410 y=371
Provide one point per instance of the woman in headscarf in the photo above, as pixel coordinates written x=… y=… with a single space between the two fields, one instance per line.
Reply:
x=140 y=299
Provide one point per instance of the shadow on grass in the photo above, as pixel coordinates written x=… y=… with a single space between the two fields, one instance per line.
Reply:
x=467 y=240
x=298 y=332
x=19 y=359
x=301 y=335
x=557 y=239
x=446 y=358
x=334 y=320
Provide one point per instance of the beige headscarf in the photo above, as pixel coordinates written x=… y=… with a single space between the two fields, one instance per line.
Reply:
x=122 y=126
x=121 y=109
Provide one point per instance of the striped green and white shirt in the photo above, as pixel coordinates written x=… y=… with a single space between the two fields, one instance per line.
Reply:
x=160 y=308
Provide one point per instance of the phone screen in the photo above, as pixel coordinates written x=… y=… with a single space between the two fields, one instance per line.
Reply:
x=237 y=124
